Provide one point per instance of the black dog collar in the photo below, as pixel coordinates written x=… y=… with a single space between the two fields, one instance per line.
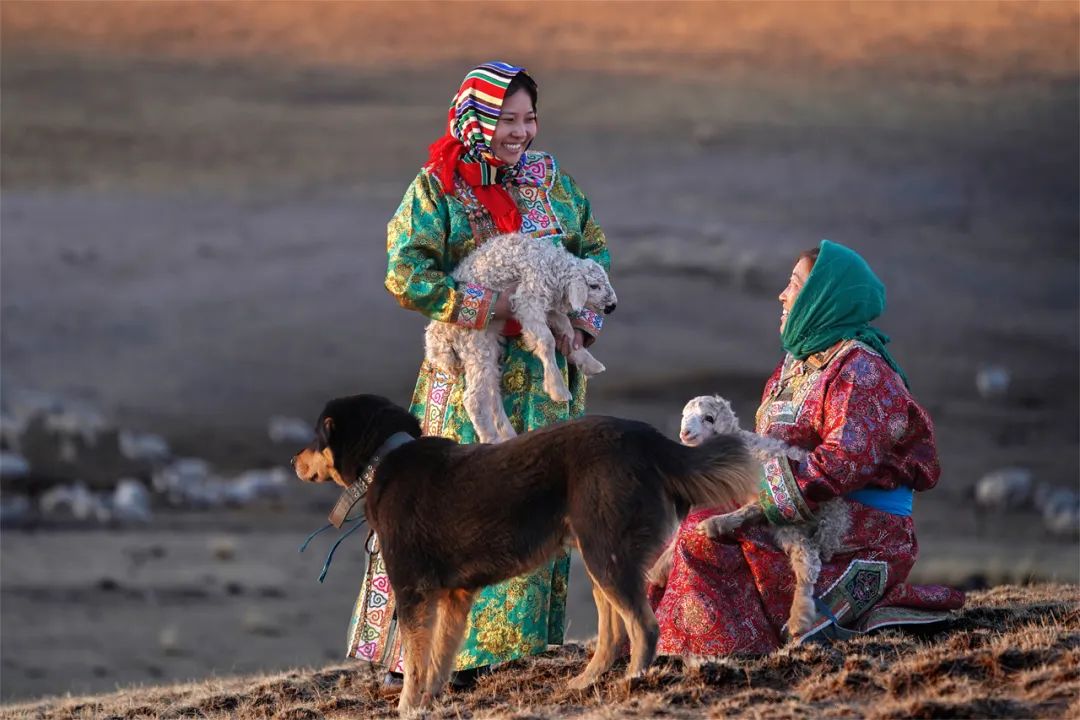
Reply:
x=356 y=491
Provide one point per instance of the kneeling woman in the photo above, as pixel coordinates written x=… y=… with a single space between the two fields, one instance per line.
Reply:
x=839 y=394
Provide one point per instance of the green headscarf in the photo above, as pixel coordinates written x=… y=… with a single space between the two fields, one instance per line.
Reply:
x=839 y=299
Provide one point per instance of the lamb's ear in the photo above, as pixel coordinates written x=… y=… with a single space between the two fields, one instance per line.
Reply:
x=577 y=294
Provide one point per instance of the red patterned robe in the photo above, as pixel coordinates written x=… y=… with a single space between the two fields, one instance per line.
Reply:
x=864 y=430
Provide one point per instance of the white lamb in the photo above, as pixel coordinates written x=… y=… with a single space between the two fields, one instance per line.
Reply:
x=805 y=544
x=551 y=282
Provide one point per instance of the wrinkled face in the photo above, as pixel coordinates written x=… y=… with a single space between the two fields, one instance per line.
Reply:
x=515 y=128
x=315 y=463
x=795 y=284
x=601 y=296
x=704 y=417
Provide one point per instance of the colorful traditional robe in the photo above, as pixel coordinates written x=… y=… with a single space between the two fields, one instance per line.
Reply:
x=430 y=233
x=864 y=430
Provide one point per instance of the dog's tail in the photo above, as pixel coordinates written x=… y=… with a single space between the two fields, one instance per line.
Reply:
x=720 y=471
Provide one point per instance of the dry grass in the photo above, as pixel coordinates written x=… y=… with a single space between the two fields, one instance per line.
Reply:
x=1015 y=652
x=973 y=40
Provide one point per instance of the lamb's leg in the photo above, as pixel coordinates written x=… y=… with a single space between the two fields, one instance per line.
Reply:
x=482 y=396
x=658 y=573
x=538 y=336
x=585 y=362
x=502 y=423
x=439 y=348
x=806 y=564
x=561 y=326
x=833 y=523
x=720 y=525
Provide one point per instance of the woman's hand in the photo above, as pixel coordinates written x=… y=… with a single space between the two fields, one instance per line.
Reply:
x=567 y=344
x=502 y=304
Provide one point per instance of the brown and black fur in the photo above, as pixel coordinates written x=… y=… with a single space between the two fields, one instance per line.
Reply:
x=452 y=519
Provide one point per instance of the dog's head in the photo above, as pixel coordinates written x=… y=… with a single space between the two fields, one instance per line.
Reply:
x=348 y=432
x=706 y=416
x=591 y=288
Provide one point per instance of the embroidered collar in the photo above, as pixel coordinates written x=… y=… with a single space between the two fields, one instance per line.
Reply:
x=357 y=490
x=820 y=359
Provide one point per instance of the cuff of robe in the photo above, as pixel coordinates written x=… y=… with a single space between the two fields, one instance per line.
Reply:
x=780 y=497
x=475 y=306
x=587 y=321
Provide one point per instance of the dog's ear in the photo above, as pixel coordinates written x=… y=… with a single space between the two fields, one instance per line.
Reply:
x=577 y=294
x=323 y=431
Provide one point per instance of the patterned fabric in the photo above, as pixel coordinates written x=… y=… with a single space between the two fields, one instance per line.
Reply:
x=373 y=632
x=475 y=108
x=477 y=306
x=859 y=421
x=734 y=594
x=431 y=233
x=427 y=237
x=464 y=152
x=840 y=298
x=587 y=321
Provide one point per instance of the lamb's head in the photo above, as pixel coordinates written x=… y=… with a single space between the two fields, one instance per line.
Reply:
x=705 y=416
x=589 y=287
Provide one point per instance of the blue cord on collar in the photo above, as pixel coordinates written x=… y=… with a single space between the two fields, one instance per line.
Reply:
x=330 y=556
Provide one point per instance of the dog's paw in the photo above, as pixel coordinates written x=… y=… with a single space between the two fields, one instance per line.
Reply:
x=584 y=681
x=406 y=709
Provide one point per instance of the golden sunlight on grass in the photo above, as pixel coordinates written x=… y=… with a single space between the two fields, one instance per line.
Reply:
x=1015 y=651
x=976 y=40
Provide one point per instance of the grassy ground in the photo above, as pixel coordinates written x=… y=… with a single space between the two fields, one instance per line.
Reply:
x=194 y=206
x=1013 y=652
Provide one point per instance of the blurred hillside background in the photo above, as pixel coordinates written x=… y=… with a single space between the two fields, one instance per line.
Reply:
x=192 y=241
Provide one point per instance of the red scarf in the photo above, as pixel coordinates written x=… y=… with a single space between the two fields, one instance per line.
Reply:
x=444 y=159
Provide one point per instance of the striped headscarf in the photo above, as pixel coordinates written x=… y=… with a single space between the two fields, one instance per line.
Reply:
x=466 y=147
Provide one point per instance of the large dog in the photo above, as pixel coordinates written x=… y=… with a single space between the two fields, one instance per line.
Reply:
x=452 y=519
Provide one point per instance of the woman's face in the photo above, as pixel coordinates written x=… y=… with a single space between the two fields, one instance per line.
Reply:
x=515 y=128
x=795 y=284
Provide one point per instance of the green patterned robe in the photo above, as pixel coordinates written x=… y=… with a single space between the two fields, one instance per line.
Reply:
x=430 y=233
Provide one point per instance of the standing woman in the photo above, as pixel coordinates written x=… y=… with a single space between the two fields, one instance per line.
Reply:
x=481 y=180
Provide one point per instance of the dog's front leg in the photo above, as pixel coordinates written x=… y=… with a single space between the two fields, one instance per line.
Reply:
x=451 y=618
x=610 y=633
x=416 y=615
x=719 y=526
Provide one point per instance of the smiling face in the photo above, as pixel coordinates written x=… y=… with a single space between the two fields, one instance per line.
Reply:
x=795 y=284
x=515 y=128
